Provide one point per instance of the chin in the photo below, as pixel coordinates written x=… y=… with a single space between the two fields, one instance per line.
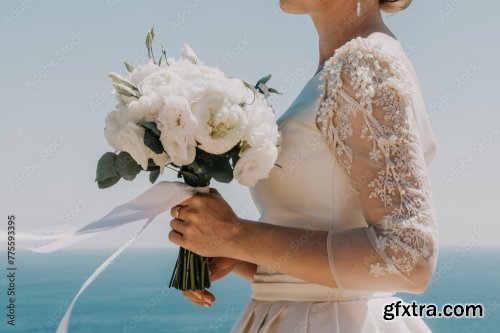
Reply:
x=294 y=6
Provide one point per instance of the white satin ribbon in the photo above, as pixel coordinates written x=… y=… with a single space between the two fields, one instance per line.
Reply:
x=160 y=198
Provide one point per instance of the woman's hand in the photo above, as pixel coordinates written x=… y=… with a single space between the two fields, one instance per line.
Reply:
x=219 y=267
x=205 y=224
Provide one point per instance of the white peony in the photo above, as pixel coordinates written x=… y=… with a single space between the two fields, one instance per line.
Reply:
x=142 y=72
x=262 y=127
x=146 y=108
x=123 y=134
x=255 y=164
x=193 y=104
x=177 y=125
x=221 y=123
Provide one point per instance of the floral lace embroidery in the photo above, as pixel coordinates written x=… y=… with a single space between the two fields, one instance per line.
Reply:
x=408 y=232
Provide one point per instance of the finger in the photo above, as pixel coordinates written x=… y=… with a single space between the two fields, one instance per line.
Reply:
x=179 y=226
x=175 y=210
x=199 y=296
x=208 y=297
x=176 y=238
x=189 y=295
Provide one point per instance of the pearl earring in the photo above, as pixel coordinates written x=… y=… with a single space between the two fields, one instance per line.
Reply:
x=358 y=8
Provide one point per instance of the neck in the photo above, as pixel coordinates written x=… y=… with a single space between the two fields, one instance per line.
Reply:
x=340 y=23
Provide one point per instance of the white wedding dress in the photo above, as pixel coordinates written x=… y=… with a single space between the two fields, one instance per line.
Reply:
x=355 y=148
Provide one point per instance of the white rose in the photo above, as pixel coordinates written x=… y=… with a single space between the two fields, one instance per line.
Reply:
x=177 y=125
x=221 y=124
x=255 y=164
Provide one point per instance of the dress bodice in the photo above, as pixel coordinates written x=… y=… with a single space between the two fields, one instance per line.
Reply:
x=299 y=190
x=354 y=149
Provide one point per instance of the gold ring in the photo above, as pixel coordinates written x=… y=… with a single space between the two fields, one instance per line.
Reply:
x=178 y=212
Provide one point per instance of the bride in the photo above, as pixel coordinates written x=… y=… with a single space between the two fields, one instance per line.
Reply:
x=347 y=215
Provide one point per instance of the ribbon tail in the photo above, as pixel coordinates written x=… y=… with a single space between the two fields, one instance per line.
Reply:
x=63 y=325
x=159 y=198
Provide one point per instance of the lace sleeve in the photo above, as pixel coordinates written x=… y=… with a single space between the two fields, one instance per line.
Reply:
x=366 y=116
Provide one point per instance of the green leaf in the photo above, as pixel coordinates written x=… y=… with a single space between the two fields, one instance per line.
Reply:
x=152 y=126
x=108 y=182
x=152 y=141
x=106 y=167
x=189 y=177
x=273 y=91
x=126 y=166
x=264 y=80
x=218 y=168
x=153 y=175
x=152 y=166
x=129 y=67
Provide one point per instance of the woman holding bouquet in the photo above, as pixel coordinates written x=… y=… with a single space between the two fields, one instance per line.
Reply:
x=350 y=223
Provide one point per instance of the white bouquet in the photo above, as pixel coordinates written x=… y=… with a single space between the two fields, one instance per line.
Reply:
x=182 y=114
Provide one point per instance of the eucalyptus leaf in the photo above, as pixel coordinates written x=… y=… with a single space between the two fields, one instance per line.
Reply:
x=273 y=91
x=152 y=166
x=126 y=166
x=152 y=126
x=106 y=167
x=152 y=141
x=218 y=168
x=153 y=175
x=108 y=182
x=264 y=80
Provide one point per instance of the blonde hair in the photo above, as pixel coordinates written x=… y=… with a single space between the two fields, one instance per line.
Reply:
x=392 y=6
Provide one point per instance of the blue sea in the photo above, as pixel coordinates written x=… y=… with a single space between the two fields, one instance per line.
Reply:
x=133 y=294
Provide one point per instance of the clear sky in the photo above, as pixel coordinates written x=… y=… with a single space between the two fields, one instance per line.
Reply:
x=55 y=57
